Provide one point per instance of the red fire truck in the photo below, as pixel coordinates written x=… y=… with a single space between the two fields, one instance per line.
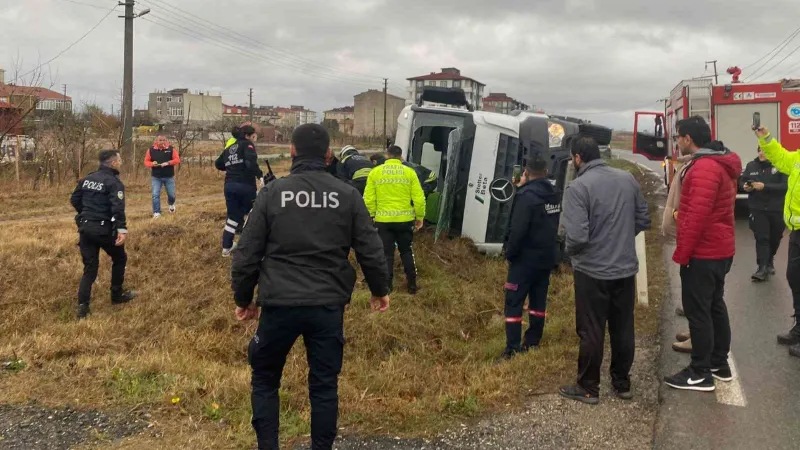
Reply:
x=729 y=109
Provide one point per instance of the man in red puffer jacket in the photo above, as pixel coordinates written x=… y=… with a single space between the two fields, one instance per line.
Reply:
x=706 y=243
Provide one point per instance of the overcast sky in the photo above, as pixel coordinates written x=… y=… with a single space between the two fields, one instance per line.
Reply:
x=600 y=59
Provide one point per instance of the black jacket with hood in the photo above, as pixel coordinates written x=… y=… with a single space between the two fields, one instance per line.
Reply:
x=240 y=163
x=297 y=240
x=533 y=228
x=775 y=186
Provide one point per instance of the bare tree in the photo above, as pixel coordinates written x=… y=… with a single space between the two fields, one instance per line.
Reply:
x=185 y=137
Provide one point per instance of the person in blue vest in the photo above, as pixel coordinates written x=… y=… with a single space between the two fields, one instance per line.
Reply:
x=162 y=158
x=530 y=247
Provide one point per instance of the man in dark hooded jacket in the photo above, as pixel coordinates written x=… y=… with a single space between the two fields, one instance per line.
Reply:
x=705 y=246
x=530 y=248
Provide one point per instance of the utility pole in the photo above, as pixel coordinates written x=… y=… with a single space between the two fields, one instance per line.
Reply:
x=65 y=91
x=251 y=105
x=385 y=95
x=716 y=75
x=127 y=80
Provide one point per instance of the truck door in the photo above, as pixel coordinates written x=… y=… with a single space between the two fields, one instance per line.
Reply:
x=650 y=144
x=448 y=187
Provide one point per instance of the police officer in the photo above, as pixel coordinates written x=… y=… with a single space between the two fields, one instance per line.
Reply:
x=395 y=199
x=240 y=163
x=354 y=168
x=427 y=177
x=531 y=249
x=766 y=188
x=295 y=247
x=99 y=200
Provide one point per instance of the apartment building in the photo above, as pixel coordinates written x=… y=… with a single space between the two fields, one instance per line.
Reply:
x=368 y=113
x=449 y=77
x=180 y=105
x=501 y=103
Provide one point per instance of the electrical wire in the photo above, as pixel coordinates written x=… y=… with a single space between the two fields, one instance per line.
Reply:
x=239 y=49
x=755 y=75
x=86 y=4
x=794 y=33
x=779 y=63
x=288 y=58
x=69 y=46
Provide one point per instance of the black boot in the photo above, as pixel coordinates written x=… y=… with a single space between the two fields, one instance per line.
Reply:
x=120 y=296
x=412 y=287
x=761 y=274
x=792 y=337
x=771 y=266
x=83 y=310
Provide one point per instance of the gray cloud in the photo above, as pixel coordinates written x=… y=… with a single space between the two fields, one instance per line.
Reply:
x=587 y=57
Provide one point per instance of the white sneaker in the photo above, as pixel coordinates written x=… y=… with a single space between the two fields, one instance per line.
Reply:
x=226 y=252
x=172 y=209
x=156 y=215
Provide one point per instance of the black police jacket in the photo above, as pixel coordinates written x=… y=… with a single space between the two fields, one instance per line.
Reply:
x=354 y=167
x=775 y=186
x=424 y=174
x=240 y=163
x=533 y=228
x=101 y=197
x=297 y=239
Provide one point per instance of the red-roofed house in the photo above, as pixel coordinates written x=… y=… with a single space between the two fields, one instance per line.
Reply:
x=27 y=98
x=501 y=103
x=449 y=77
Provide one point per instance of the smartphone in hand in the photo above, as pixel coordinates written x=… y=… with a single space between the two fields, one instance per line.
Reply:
x=756 y=120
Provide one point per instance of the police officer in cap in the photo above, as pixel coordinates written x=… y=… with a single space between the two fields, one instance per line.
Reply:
x=531 y=249
x=295 y=247
x=99 y=200
x=354 y=168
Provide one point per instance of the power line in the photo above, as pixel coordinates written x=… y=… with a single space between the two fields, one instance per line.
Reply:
x=779 y=62
x=754 y=76
x=794 y=33
x=69 y=46
x=289 y=59
x=85 y=4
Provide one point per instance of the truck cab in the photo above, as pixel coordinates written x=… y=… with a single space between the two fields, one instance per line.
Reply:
x=478 y=156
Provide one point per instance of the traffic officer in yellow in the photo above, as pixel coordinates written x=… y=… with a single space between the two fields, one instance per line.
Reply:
x=396 y=202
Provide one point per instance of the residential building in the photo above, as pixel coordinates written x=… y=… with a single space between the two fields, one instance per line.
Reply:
x=303 y=115
x=502 y=103
x=33 y=98
x=344 y=118
x=340 y=114
x=368 y=113
x=180 y=105
x=262 y=114
x=449 y=77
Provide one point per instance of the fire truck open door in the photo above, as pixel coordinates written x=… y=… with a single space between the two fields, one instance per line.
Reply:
x=651 y=145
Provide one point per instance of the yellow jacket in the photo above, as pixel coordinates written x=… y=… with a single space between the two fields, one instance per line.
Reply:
x=391 y=189
x=787 y=163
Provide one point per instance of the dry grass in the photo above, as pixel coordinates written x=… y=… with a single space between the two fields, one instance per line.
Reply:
x=426 y=363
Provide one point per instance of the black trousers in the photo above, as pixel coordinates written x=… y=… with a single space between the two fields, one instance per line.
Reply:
x=703 y=290
x=598 y=302
x=322 y=328
x=360 y=185
x=523 y=282
x=768 y=227
x=793 y=270
x=402 y=235
x=239 y=199
x=90 y=246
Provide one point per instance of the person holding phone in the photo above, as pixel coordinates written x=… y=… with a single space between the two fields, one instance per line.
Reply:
x=162 y=158
x=766 y=188
x=787 y=163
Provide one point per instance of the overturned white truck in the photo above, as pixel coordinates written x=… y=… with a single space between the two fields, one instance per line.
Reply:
x=478 y=155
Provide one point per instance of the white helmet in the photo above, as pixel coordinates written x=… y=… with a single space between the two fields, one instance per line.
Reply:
x=347 y=150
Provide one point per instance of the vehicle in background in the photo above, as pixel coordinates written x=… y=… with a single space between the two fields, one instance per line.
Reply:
x=729 y=110
x=478 y=155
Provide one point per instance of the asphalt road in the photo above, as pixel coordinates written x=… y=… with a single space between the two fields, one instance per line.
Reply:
x=761 y=408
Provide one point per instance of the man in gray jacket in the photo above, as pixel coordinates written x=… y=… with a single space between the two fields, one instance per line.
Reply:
x=604 y=210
